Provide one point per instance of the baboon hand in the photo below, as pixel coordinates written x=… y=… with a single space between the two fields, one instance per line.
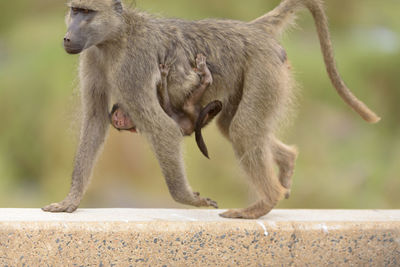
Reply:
x=64 y=206
x=204 y=202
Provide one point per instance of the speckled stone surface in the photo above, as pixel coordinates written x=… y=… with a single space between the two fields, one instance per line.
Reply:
x=154 y=237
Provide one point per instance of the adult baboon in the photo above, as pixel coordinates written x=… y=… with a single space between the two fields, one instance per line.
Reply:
x=120 y=54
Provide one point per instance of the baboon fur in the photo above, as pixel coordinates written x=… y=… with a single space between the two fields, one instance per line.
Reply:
x=119 y=62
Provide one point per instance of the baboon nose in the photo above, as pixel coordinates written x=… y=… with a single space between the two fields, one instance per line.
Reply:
x=72 y=44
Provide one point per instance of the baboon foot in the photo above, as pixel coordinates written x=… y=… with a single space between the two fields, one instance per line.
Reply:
x=253 y=212
x=287 y=194
x=204 y=202
x=164 y=69
x=203 y=70
x=285 y=178
x=287 y=170
x=201 y=63
x=286 y=182
x=63 y=206
x=243 y=214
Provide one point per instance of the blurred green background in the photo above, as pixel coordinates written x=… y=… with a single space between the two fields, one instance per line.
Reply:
x=343 y=163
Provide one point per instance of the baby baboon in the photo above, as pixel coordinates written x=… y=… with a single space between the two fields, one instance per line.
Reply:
x=120 y=120
x=191 y=117
x=120 y=51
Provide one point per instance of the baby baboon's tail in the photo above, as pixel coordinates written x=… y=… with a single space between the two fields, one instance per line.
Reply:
x=206 y=115
x=275 y=22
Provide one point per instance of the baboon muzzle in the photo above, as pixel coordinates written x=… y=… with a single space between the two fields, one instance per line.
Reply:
x=70 y=44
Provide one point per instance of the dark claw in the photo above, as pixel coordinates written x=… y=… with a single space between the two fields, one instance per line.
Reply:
x=208 y=201
x=212 y=203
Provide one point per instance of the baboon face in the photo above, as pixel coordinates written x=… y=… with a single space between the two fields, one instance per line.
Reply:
x=91 y=22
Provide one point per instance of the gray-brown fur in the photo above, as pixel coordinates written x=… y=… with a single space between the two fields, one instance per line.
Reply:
x=250 y=80
x=186 y=115
x=191 y=117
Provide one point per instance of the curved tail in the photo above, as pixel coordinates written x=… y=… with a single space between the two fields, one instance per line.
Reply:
x=277 y=19
x=205 y=116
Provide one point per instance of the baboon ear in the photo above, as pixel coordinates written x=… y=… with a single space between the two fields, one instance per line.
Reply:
x=118 y=6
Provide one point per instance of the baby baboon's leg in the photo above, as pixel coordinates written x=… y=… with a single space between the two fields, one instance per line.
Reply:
x=285 y=156
x=191 y=104
x=163 y=91
x=250 y=134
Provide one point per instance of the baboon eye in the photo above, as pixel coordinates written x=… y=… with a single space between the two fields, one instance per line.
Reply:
x=76 y=10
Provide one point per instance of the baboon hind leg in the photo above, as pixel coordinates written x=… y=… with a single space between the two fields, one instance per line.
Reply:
x=251 y=135
x=285 y=156
x=258 y=165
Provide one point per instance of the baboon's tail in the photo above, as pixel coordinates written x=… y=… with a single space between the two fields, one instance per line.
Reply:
x=277 y=19
x=206 y=115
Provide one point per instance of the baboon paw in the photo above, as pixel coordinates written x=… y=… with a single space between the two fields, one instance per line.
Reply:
x=164 y=69
x=286 y=181
x=241 y=214
x=231 y=214
x=287 y=184
x=60 y=207
x=201 y=62
x=204 y=202
x=287 y=194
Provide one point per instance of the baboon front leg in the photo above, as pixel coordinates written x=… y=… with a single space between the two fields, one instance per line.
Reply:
x=165 y=138
x=93 y=132
x=167 y=147
x=285 y=156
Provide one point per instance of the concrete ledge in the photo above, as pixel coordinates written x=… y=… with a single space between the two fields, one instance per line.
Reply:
x=161 y=237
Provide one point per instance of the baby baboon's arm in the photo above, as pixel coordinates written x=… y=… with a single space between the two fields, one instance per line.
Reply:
x=163 y=92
